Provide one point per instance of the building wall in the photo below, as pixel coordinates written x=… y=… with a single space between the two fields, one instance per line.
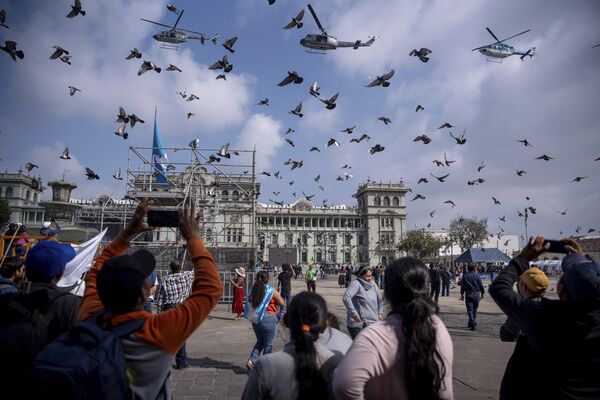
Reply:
x=23 y=194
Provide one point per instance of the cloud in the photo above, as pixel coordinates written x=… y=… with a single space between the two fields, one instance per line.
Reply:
x=261 y=132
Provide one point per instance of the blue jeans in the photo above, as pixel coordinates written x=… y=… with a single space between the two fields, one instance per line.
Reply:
x=265 y=333
x=286 y=296
x=354 y=331
x=472 y=302
x=445 y=288
x=181 y=356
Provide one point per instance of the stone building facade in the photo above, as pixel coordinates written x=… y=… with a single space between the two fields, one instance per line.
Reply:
x=23 y=193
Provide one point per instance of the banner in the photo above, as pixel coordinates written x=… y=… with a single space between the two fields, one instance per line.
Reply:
x=159 y=157
x=84 y=254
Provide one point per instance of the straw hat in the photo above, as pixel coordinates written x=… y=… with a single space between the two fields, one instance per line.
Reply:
x=241 y=272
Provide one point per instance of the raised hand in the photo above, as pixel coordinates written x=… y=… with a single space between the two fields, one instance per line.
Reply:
x=189 y=222
x=535 y=248
x=136 y=224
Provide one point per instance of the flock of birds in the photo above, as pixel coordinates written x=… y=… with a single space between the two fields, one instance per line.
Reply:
x=224 y=66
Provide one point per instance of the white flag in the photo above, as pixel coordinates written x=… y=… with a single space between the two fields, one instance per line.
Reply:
x=85 y=253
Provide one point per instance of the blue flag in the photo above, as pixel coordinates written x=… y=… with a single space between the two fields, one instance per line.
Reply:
x=159 y=157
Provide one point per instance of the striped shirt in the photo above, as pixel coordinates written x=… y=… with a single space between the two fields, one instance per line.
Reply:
x=174 y=288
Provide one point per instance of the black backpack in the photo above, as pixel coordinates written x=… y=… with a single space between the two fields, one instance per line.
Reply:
x=86 y=363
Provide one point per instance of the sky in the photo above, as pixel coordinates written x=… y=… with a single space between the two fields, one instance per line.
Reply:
x=551 y=100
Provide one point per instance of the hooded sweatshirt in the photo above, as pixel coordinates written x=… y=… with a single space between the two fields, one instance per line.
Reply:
x=364 y=299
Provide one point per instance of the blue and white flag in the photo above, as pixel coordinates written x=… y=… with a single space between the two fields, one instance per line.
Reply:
x=159 y=157
x=84 y=255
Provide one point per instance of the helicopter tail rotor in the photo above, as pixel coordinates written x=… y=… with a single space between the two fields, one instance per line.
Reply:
x=530 y=53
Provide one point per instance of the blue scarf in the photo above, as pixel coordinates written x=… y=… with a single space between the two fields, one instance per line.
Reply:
x=255 y=315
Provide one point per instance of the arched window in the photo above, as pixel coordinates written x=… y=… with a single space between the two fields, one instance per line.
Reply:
x=235 y=196
x=9 y=192
x=224 y=195
x=377 y=201
x=28 y=196
x=35 y=197
x=396 y=201
x=386 y=201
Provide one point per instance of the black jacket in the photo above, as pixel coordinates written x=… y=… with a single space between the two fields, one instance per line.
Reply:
x=564 y=337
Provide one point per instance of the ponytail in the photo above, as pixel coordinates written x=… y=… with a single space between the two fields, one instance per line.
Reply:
x=258 y=289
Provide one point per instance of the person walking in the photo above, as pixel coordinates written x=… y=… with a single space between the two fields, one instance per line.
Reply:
x=262 y=308
x=435 y=277
x=446 y=278
x=284 y=283
x=237 y=303
x=311 y=279
x=342 y=277
x=472 y=286
x=363 y=301
x=349 y=271
x=406 y=356
x=173 y=290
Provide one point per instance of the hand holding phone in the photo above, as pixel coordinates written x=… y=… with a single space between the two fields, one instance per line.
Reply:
x=166 y=218
x=556 y=246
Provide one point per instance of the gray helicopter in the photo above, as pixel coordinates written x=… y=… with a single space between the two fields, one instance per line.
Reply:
x=173 y=37
x=325 y=41
x=498 y=50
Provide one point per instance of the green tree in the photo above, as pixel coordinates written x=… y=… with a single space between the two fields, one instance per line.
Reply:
x=467 y=232
x=420 y=244
x=4 y=212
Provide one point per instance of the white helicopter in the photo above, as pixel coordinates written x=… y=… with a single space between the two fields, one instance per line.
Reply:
x=327 y=42
x=173 y=37
x=498 y=50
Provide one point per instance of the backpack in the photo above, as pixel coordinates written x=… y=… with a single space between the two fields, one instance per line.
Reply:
x=88 y=362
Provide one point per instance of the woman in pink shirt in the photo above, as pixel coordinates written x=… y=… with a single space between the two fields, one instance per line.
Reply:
x=406 y=356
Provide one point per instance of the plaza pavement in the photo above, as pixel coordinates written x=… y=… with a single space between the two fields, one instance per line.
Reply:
x=218 y=350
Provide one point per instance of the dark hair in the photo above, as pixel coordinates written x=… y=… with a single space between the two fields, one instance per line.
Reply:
x=258 y=289
x=285 y=267
x=121 y=295
x=471 y=268
x=407 y=290
x=307 y=309
x=10 y=267
x=362 y=271
x=175 y=266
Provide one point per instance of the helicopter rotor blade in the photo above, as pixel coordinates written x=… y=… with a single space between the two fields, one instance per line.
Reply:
x=596 y=46
x=492 y=33
x=157 y=23
x=187 y=30
x=317 y=19
x=518 y=34
x=178 y=18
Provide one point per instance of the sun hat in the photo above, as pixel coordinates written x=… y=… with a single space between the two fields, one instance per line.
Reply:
x=241 y=272
x=46 y=224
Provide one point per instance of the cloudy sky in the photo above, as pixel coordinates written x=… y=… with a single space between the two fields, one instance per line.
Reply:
x=552 y=101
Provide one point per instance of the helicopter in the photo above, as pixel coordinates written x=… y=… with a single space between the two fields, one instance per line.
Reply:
x=325 y=41
x=173 y=37
x=498 y=50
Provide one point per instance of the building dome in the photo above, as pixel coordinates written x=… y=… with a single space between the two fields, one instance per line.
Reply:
x=302 y=204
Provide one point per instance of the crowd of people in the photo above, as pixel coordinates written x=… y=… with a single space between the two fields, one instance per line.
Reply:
x=109 y=345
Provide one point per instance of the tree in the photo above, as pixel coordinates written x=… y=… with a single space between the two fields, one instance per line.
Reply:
x=467 y=232
x=4 y=212
x=420 y=244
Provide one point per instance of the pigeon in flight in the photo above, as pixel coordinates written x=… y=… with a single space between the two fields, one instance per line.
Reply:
x=332 y=142
x=148 y=66
x=204 y=38
x=563 y=212
x=117 y=175
x=317 y=178
x=75 y=10
x=122 y=116
x=422 y=180
x=172 y=8
x=135 y=53
x=290 y=130
x=133 y=119
x=263 y=102
x=330 y=104
x=422 y=54
x=450 y=202
x=222 y=64
x=361 y=138
x=172 y=67
x=298 y=110
x=314 y=148
x=579 y=178
x=29 y=166
x=277 y=175
x=422 y=138
x=58 y=51
x=448 y=162
x=597 y=159
x=440 y=178
x=376 y=149
x=296 y=21
x=292 y=77
x=224 y=151
x=496 y=201
x=11 y=48
x=525 y=142
x=446 y=125
x=346 y=166
x=73 y=90
x=502 y=218
x=385 y=120
x=419 y=108
x=577 y=229
x=308 y=197
x=194 y=144
x=544 y=157
x=418 y=196
x=265 y=173
x=3 y=19
x=314 y=89
x=66 y=59
x=297 y=164
x=322 y=188
x=192 y=97
x=229 y=44
x=121 y=131
x=438 y=163
x=221 y=76
x=212 y=158
x=481 y=166
x=349 y=131
x=520 y=172
x=431 y=214
x=290 y=141
x=461 y=139
x=91 y=175
x=291 y=183
x=183 y=94
x=65 y=154
x=189 y=115
x=382 y=80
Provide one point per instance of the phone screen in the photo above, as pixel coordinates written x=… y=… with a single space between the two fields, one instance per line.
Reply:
x=159 y=218
x=556 y=246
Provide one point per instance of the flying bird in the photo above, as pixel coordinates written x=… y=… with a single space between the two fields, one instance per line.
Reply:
x=148 y=66
x=172 y=67
x=297 y=164
x=361 y=138
x=496 y=201
x=376 y=149
x=135 y=53
x=73 y=90
x=577 y=229
x=317 y=178
x=65 y=154
x=182 y=94
x=290 y=141
x=29 y=166
x=122 y=116
x=121 y=131
x=212 y=38
x=448 y=162
x=75 y=10
x=382 y=80
x=307 y=197
x=418 y=196
x=58 y=51
x=172 y=8
x=192 y=97
x=421 y=53
x=562 y=212
x=349 y=130
x=224 y=151
x=117 y=175
x=66 y=59
x=263 y=102
x=431 y=214
x=544 y=157
x=277 y=175
x=346 y=166
x=296 y=21
x=481 y=166
x=525 y=142
x=503 y=218
x=332 y=142
x=438 y=163
x=212 y=158
x=194 y=144
x=446 y=125
x=422 y=138
x=385 y=120
x=189 y=115
x=298 y=110
x=579 y=178
x=221 y=76
x=330 y=103
x=11 y=48
x=314 y=148
x=229 y=44
x=461 y=139
x=265 y=173
x=290 y=130
x=223 y=64
x=520 y=172
x=292 y=77
x=450 y=202
x=314 y=89
x=3 y=19
x=440 y=178
x=291 y=183
x=422 y=180
x=91 y=175
x=419 y=108
x=133 y=119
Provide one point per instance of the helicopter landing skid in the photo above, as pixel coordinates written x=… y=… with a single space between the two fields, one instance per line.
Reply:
x=316 y=52
x=169 y=46
x=494 y=59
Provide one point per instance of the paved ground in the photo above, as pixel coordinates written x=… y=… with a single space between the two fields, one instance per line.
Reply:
x=218 y=350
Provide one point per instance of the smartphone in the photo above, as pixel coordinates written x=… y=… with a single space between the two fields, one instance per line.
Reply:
x=556 y=246
x=158 y=218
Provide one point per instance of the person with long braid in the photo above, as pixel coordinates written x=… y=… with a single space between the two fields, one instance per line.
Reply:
x=304 y=367
x=406 y=356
